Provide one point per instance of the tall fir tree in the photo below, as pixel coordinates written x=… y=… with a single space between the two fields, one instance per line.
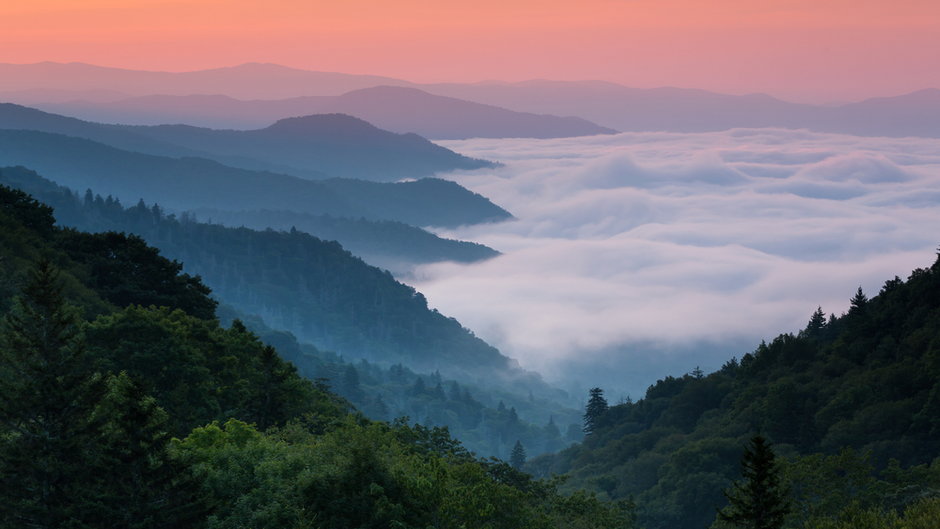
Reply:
x=595 y=410
x=47 y=395
x=758 y=500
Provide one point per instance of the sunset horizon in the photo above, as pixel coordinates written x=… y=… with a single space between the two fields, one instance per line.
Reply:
x=794 y=50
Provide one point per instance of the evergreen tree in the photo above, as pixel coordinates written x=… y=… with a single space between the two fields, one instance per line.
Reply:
x=596 y=408
x=137 y=483
x=517 y=457
x=758 y=500
x=46 y=399
x=859 y=301
x=816 y=325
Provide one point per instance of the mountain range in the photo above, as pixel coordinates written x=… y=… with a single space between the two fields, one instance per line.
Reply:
x=394 y=108
x=192 y=183
x=606 y=104
x=314 y=146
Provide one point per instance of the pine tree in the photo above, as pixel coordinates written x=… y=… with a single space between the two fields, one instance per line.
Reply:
x=596 y=408
x=758 y=500
x=46 y=399
x=517 y=457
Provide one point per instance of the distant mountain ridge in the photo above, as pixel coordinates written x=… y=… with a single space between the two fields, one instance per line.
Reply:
x=605 y=104
x=692 y=110
x=395 y=108
x=193 y=183
x=313 y=146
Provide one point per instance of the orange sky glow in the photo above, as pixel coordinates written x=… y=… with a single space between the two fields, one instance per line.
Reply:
x=801 y=50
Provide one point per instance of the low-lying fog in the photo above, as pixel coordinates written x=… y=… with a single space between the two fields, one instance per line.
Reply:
x=637 y=256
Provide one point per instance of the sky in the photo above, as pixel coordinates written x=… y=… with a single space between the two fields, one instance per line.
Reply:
x=801 y=50
x=641 y=255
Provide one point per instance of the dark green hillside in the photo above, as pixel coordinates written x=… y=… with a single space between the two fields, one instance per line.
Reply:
x=868 y=381
x=191 y=183
x=91 y=392
x=297 y=282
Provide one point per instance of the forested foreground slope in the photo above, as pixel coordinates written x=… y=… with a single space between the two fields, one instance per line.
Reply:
x=853 y=402
x=107 y=351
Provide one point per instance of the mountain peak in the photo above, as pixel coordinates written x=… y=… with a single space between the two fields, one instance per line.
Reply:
x=320 y=123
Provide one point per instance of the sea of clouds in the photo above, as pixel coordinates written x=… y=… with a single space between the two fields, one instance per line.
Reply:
x=641 y=255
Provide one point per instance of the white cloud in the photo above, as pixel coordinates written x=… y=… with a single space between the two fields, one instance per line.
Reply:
x=667 y=244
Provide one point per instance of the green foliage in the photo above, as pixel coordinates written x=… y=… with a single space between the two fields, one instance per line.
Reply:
x=200 y=372
x=124 y=270
x=924 y=514
x=372 y=476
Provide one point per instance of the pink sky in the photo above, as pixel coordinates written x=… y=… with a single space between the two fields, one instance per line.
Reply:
x=801 y=50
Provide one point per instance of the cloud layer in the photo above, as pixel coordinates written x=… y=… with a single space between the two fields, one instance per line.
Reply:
x=639 y=254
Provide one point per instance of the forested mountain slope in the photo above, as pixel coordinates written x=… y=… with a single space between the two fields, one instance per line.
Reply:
x=386 y=391
x=296 y=282
x=868 y=381
x=488 y=419
x=95 y=378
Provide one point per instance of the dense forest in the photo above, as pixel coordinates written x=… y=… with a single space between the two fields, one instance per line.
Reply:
x=852 y=404
x=124 y=403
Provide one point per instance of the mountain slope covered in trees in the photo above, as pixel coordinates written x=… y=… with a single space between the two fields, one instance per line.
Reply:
x=867 y=382
x=295 y=281
x=95 y=378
